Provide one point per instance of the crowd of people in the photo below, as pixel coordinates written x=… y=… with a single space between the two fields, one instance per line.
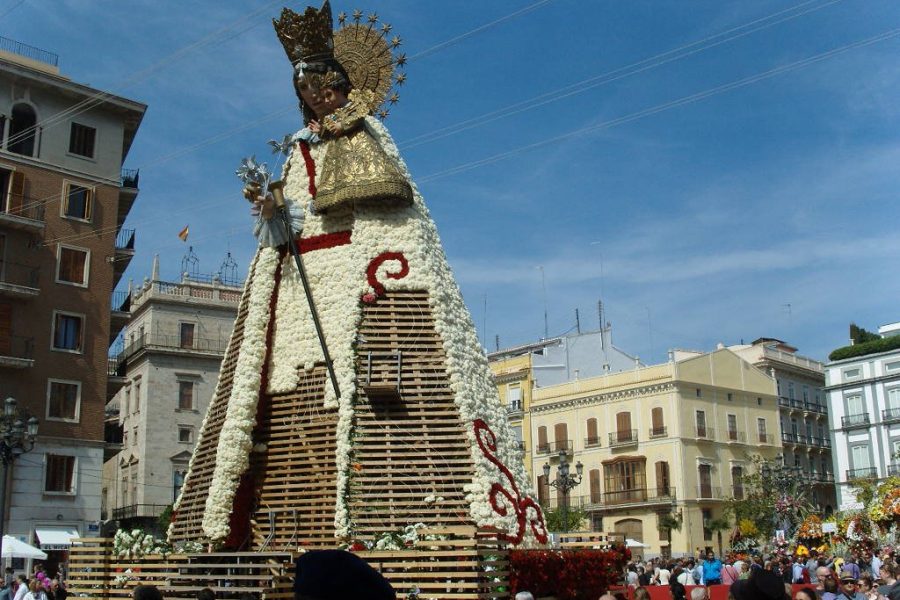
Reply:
x=801 y=577
x=39 y=586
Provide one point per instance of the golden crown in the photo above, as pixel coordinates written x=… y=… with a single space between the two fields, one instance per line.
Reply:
x=360 y=45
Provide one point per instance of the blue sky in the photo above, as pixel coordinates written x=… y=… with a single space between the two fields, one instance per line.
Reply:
x=768 y=209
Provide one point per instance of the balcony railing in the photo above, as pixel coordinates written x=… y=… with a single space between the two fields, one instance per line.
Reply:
x=554 y=447
x=130 y=178
x=860 y=420
x=736 y=436
x=10 y=45
x=816 y=408
x=890 y=414
x=520 y=446
x=821 y=442
x=25 y=207
x=708 y=491
x=138 y=510
x=658 y=432
x=19 y=274
x=623 y=438
x=737 y=491
x=893 y=470
x=120 y=301
x=705 y=433
x=823 y=477
x=764 y=438
x=17 y=347
x=864 y=473
x=592 y=442
x=125 y=241
x=614 y=499
x=158 y=340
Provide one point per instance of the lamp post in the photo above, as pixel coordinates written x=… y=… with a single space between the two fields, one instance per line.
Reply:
x=16 y=438
x=564 y=482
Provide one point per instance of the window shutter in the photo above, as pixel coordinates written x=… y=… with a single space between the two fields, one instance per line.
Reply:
x=542 y=437
x=17 y=192
x=595 y=485
x=623 y=426
x=561 y=433
x=662 y=478
x=592 y=430
x=657 y=419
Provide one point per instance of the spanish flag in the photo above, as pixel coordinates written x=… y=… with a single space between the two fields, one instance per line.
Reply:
x=183 y=234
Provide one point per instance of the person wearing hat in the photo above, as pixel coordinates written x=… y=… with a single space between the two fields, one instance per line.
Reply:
x=849 y=587
x=338 y=575
x=761 y=585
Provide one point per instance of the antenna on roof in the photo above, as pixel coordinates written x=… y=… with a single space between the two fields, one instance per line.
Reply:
x=497 y=342
x=577 y=322
x=190 y=264
x=228 y=270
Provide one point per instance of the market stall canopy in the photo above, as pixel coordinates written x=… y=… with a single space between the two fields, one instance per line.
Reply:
x=14 y=548
x=55 y=538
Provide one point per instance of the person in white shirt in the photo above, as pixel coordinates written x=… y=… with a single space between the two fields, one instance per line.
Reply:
x=663 y=575
x=686 y=578
x=22 y=589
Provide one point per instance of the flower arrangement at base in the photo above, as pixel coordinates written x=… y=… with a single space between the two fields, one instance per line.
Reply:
x=136 y=543
x=810 y=531
x=566 y=574
x=855 y=531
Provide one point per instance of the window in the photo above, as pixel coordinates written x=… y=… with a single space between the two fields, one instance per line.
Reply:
x=732 y=428
x=185 y=434
x=63 y=399
x=761 y=430
x=794 y=428
x=543 y=490
x=60 y=474
x=730 y=396
x=737 y=481
x=704 y=474
x=791 y=390
x=707 y=518
x=513 y=395
x=851 y=373
x=67 y=330
x=663 y=481
x=758 y=401
x=178 y=476
x=72 y=266
x=625 y=481
x=126 y=400
x=78 y=202
x=623 y=427
x=893 y=397
x=860 y=457
x=137 y=396
x=134 y=436
x=594 y=476
x=81 y=140
x=854 y=405
x=186 y=335
x=657 y=423
x=805 y=393
x=186 y=395
x=699 y=395
x=125 y=438
x=22 y=130
x=593 y=438
x=561 y=433
x=701 y=423
x=542 y=445
x=892 y=366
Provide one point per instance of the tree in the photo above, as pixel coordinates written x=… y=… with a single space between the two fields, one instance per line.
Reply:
x=719 y=525
x=770 y=484
x=861 y=336
x=554 y=519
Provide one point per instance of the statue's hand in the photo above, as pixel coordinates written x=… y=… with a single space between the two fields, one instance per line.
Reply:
x=263 y=205
x=314 y=126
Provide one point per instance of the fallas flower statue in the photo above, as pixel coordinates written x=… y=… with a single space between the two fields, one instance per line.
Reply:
x=354 y=398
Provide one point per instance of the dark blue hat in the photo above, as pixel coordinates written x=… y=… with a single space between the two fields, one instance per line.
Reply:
x=339 y=575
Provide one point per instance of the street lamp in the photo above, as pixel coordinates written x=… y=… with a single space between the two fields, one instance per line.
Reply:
x=16 y=438
x=564 y=482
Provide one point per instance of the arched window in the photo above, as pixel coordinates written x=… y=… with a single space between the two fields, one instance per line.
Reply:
x=22 y=130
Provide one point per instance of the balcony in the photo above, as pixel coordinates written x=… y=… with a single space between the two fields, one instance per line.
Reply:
x=820 y=442
x=734 y=435
x=708 y=492
x=31 y=52
x=893 y=470
x=127 y=194
x=618 y=500
x=133 y=511
x=658 y=432
x=815 y=408
x=130 y=178
x=864 y=473
x=16 y=352
x=705 y=434
x=788 y=437
x=515 y=410
x=823 y=477
x=592 y=442
x=174 y=343
x=851 y=421
x=626 y=437
x=124 y=253
x=554 y=447
x=120 y=313
x=764 y=438
x=24 y=213
x=18 y=280
x=890 y=415
x=737 y=492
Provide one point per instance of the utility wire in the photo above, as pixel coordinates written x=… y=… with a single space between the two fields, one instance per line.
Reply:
x=617 y=74
x=665 y=106
x=11 y=8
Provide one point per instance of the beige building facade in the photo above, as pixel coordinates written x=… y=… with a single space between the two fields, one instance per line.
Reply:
x=658 y=444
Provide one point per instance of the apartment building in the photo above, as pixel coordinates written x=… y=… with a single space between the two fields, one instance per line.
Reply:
x=63 y=201
x=864 y=414
x=657 y=443
x=805 y=433
x=173 y=348
x=519 y=370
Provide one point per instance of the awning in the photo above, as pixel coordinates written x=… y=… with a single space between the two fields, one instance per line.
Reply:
x=55 y=538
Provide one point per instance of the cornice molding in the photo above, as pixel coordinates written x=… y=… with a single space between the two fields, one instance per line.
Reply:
x=510 y=377
x=628 y=394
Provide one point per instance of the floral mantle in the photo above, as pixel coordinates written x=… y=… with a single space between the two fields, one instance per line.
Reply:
x=389 y=248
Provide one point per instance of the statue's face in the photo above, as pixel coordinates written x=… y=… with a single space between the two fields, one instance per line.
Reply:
x=322 y=102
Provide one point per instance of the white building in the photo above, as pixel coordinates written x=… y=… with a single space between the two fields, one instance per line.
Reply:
x=864 y=414
x=174 y=345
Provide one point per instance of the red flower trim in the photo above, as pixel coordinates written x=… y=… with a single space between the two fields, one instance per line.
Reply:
x=310 y=167
x=488 y=445
x=323 y=241
x=372 y=274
